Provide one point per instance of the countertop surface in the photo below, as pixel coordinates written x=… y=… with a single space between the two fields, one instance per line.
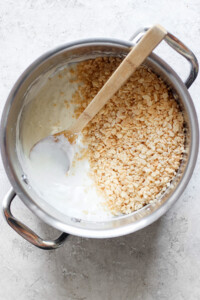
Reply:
x=158 y=262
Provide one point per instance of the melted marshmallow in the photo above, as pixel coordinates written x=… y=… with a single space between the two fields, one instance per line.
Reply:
x=73 y=193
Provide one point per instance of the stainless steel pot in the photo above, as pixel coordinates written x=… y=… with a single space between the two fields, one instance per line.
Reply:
x=118 y=226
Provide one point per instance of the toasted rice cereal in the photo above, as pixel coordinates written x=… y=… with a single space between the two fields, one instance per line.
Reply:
x=136 y=142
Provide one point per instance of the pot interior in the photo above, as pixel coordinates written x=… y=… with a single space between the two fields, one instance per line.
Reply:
x=25 y=91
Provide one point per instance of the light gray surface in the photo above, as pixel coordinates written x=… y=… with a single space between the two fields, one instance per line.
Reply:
x=159 y=262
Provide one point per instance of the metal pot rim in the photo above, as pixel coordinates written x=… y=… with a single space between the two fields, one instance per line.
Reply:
x=40 y=212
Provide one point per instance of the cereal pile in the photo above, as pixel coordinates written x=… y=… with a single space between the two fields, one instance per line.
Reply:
x=135 y=143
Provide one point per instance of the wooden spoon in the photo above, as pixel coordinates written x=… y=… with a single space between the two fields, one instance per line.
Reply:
x=133 y=60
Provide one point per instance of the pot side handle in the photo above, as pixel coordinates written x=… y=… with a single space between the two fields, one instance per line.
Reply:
x=26 y=232
x=179 y=47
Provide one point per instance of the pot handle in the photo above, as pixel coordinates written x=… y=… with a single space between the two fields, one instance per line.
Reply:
x=26 y=232
x=179 y=47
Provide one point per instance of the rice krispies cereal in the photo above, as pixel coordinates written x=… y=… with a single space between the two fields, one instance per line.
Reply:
x=136 y=142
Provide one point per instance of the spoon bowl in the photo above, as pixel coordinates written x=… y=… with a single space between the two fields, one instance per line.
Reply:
x=53 y=152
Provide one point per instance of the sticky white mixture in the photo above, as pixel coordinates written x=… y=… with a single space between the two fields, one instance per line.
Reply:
x=135 y=144
x=73 y=193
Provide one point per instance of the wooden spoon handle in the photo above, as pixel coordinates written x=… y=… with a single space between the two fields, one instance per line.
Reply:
x=133 y=60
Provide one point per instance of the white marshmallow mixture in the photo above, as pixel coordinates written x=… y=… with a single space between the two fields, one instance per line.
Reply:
x=72 y=192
